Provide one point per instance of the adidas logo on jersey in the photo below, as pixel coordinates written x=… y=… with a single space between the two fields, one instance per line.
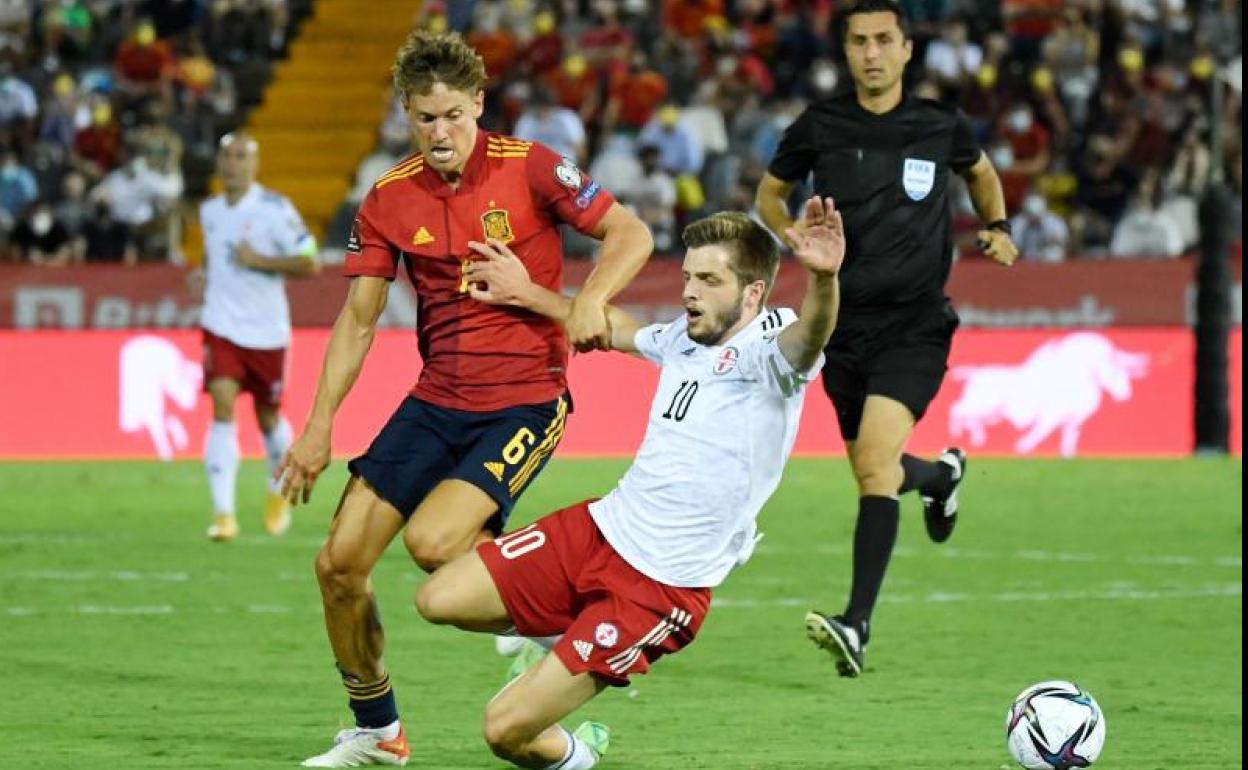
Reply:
x=422 y=237
x=495 y=469
x=584 y=649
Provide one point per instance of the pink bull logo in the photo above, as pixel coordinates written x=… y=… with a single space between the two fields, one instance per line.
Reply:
x=1058 y=388
x=153 y=372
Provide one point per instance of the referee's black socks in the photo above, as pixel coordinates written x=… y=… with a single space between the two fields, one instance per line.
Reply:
x=927 y=476
x=874 y=537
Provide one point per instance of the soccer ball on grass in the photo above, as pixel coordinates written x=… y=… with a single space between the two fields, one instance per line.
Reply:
x=1055 y=725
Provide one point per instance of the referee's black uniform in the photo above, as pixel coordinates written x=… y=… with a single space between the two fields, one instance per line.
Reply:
x=889 y=176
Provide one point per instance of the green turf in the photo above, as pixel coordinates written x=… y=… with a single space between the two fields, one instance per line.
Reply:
x=127 y=640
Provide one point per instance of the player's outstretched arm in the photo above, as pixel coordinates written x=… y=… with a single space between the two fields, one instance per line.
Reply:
x=295 y=265
x=349 y=342
x=626 y=245
x=772 y=201
x=498 y=277
x=819 y=244
x=989 y=200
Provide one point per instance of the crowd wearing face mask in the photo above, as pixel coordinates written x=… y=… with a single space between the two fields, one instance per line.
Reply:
x=1094 y=111
x=109 y=115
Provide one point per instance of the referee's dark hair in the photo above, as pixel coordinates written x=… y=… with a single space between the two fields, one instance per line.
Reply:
x=875 y=6
x=756 y=257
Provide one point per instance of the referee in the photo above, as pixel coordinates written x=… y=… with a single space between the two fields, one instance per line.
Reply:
x=884 y=156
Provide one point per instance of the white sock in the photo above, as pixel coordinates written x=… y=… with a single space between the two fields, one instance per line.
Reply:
x=221 y=463
x=546 y=642
x=276 y=442
x=578 y=756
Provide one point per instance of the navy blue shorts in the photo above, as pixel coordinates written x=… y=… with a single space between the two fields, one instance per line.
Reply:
x=499 y=452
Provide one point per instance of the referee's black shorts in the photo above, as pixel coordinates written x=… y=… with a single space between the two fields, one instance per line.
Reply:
x=498 y=452
x=902 y=355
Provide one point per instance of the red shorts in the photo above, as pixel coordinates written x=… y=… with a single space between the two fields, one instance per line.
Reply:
x=258 y=372
x=560 y=576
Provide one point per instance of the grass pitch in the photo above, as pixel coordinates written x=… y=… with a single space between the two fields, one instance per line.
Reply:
x=127 y=640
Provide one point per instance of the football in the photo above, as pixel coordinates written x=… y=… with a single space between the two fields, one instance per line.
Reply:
x=1055 y=725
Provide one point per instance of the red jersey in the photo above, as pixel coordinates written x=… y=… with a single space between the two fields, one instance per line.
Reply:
x=478 y=357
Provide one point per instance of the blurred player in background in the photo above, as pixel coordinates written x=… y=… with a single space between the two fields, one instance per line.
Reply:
x=491 y=402
x=253 y=239
x=627 y=579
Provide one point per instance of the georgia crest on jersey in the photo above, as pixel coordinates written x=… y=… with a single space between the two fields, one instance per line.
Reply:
x=248 y=307
x=722 y=424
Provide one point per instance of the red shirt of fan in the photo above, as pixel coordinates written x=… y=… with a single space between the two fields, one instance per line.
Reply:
x=478 y=357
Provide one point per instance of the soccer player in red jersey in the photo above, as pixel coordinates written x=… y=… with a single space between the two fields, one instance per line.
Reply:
x=490 y=404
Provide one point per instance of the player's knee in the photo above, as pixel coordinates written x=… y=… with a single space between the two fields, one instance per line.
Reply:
x=505 y=734
x=877 y=475
x=338 y=579
x=430 y=550
x=435 y=601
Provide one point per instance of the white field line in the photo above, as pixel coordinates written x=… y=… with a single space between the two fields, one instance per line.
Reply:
x=1119 y=592
x=1030 y=554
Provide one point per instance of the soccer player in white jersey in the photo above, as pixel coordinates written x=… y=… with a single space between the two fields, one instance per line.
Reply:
x=253 y=239
x=628 y=578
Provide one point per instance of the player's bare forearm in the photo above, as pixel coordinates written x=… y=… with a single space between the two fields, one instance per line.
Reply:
x=349 y=342
x=771 y=200
x=293 y=266
x=624 y=329
x=557 y=307
x=801 y=342
x=985 y=188
x=626 y=245
x=545 y=302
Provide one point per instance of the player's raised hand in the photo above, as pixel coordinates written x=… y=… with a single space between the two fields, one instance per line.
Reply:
x=498 y=277
x=302 y=464
x=998 y=245
x=819 y=242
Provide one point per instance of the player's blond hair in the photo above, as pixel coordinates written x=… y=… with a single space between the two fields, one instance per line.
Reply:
x=427 y=58
x=755 y=254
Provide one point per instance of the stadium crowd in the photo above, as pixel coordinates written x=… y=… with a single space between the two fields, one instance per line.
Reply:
x=109 y=115
x=1096 y=112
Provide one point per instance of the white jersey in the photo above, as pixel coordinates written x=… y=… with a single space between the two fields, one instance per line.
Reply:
x=722 y=424
x=248 y=307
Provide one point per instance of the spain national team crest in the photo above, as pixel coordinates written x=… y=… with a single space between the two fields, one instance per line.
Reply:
x=918 y=176
x=606 y=635
x=497 y=225
x=727 y=360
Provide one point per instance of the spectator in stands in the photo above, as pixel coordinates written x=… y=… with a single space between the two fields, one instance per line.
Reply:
x=40 y=240
x=15 y=17
x=1029 y=141
x=1041 y=235
x=18 y=188
x=106 y=239
x=1105 y=186
x=58 y=123
x=97 y=146
x=144 y=66
x=654 y=199
x=680 y=151
x=951 y=59
x=634 y=96
x=67 y=28
x=73 y=209
x=1145 y=230
x=617 y=167
x=1070 y=53
x=555 y=126
x=18 y=108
